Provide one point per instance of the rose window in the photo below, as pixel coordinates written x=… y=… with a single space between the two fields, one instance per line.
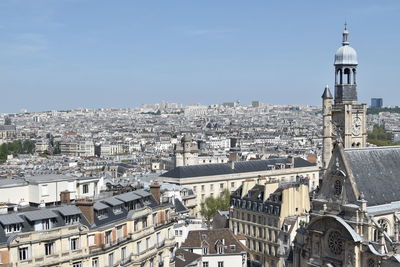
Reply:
x=335 y=243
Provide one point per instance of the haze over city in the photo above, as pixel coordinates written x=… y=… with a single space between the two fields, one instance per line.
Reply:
x=96 y=54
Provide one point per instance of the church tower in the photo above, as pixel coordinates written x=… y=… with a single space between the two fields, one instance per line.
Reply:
x=345 y=119
x=186 y=153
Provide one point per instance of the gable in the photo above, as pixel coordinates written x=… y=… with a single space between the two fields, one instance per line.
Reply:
x=338 y=184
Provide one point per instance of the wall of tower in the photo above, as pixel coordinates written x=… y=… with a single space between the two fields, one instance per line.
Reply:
x=327 y=132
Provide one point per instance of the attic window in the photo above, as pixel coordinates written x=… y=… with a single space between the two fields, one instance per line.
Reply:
x=13 y=228
x=232 y=247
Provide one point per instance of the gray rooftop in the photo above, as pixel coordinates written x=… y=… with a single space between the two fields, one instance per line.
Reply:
x=377 y=173
x=99 y=206
x=69 y=210
x=142 y=193
x=39 y=215
x=127 y=197
x=10 y=219
x=49 y=178
x=239 y=167
x=112 y=201
x=12 y=182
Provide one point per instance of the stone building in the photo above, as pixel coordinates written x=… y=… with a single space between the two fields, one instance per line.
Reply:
x=268 y=213
x=354 y=219
x=210 y=180
x=345 y=118
x=186 y=153
x=130 y=229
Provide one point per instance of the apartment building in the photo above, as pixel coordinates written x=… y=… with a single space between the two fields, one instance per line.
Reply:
x=268 y=214
x=131 y=229
x=45 y=190
x=217 y=247
x=210 y=180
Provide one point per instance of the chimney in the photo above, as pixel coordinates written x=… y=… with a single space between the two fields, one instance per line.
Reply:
x=86 y=206
x=155 y=191
x=65 y=197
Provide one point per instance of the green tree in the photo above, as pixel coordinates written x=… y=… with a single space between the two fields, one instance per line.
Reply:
x=212 y=205
x=380 y=137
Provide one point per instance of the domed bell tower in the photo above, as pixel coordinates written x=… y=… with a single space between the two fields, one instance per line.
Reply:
x=347 y=117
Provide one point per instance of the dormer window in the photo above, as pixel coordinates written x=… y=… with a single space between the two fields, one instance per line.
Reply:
x=71 y=219
x=220 y=249
x=117 y=209
x=232 y=247
x=205 y=250
x=102 y=214
x=13 y=228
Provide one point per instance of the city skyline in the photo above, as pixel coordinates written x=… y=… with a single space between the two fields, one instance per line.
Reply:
x=70 y=54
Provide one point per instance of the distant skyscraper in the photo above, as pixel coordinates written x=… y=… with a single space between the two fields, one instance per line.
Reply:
x=376 y=102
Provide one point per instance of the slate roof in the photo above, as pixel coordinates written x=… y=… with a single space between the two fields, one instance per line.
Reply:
x=40 y=215
x=142 y=193
x=6 y=182
x=185 y=258
x=239 y=167
x=69 y=210
x=112 y=201
x=179 y=207
x=48 y=178
x=376 y=172
x=197 y=239
x=126 y=197
x=8 y=219
x=99 y=206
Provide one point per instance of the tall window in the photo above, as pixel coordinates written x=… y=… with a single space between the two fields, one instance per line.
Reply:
x=123 y=253
x=120 y=232
x=138 y=248
x=74 y=243
x=205 y=263
x=111 y=259
x=24 y=253
x=49 y=248
x=85 y=188
x=220 y=264
x=95 y=262
x=107 y=238
x=46 y=224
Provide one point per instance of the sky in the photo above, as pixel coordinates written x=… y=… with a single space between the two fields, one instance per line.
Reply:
x=64 y=54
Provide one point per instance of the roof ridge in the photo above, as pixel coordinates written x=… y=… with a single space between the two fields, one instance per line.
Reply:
x=371 y=148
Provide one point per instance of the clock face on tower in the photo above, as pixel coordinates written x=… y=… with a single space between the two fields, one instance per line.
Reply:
x=356 y=129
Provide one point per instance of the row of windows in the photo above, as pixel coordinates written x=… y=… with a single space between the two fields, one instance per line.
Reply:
x=25 y=253
x=256 y=219
x=258 y=232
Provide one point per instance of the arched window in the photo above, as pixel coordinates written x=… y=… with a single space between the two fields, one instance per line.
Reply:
x=354 y=76
x=339 y=79
x=347 y=76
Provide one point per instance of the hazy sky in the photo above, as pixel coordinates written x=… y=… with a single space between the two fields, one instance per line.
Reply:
x=61 y=54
